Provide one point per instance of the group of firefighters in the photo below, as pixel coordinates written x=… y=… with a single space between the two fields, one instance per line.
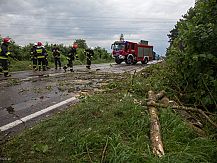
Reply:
x=39 y=57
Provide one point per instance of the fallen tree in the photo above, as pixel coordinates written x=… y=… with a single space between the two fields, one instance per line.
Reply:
x=164 y=102
x=155 y=135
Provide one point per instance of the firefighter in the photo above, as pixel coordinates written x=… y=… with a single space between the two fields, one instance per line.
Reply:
x=89 y=54
x=41 y=56
x=33 y=54
x=56 y=54
x=4 y=53
x=46 y=59
x=71 y=57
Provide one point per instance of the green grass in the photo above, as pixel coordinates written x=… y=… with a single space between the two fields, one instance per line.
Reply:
x=20 y=66
x=111 y=60
x=110 y=127
x=27 y=65
x=113 y=123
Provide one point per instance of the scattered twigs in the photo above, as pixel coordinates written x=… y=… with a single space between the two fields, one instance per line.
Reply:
x=88 y=153
x=197 y=129
x=179 y=107
x=104 y=150
x=132 y=78
x=209 y=92
x=154 y=104
x=210 y=121
x=157 y=145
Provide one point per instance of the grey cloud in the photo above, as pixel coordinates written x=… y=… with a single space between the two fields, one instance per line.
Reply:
x=97 y=21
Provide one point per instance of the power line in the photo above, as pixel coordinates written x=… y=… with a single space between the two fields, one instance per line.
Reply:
x=102 y=21
x=94 y=32
x=72 y=26
x=91 y=18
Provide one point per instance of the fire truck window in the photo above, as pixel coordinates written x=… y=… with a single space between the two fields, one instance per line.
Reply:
x=133 y=46
x=122 y=46
x=127 y=46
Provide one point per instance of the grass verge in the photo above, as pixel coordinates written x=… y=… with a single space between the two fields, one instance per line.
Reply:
x=27 y=65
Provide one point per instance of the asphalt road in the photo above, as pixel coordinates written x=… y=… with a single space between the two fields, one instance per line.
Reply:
x=28 y=97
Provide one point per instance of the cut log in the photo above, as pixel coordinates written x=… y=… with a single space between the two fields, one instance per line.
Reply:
x=155 y=135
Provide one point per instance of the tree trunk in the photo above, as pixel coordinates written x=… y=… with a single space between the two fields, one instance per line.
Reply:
x=156 y=142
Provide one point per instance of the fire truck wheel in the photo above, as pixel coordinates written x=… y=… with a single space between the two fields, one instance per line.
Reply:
x=145 y=61
x=129 y=60
x=118 y=61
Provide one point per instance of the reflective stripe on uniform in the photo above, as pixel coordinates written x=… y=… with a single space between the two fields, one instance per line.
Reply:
x=1 y=57
x=39 y=51
x=41 y=56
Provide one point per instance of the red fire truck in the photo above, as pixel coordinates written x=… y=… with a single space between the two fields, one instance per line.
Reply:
x=132 y=52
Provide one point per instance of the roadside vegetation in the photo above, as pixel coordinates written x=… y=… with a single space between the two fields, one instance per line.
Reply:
x=21 y=60
x=192 y=56
x=114 y=125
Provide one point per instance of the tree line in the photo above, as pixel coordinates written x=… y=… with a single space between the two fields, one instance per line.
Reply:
x=22 y=53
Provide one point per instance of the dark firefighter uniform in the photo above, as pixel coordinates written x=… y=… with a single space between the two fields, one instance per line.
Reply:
x=71 y=57
x=34 y=59
x=41 y=56
x=89 y=54
x=4 y=53
x=46 y=60
x=56 y=54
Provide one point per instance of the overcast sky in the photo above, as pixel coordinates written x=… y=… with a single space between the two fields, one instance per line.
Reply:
x=99 y=22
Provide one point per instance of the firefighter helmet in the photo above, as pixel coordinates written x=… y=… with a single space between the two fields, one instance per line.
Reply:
x=39 y=43
x=75 y=45
x=6 y=40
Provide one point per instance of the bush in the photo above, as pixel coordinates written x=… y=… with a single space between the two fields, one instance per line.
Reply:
x=193 y=55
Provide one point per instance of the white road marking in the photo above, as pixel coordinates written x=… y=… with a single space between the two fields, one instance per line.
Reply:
x=36 y=114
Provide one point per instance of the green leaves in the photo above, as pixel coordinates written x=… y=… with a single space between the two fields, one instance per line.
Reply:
x=193 y=54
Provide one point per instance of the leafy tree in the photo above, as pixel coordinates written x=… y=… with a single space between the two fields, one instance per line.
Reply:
x=173 y=34
x=81 y=54
x=16 y=50
x=22 y=53
x=192 y=55
x=101 y=53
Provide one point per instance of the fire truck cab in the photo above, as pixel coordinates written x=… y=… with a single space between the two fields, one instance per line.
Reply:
x=131 y=52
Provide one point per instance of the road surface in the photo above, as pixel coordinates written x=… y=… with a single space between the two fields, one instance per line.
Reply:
x=28 y=97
